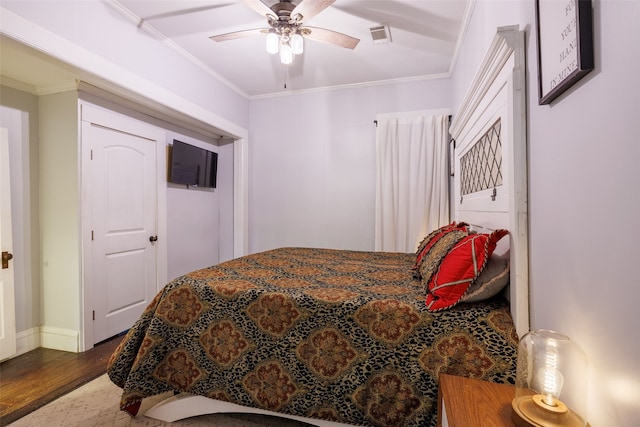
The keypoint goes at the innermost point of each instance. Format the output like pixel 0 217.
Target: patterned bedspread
pixel 337 335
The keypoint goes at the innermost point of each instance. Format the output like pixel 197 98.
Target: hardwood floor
pixel 34 379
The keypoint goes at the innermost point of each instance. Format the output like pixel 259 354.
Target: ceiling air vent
pixel 380 34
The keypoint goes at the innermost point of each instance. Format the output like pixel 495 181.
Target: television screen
pixel 191 165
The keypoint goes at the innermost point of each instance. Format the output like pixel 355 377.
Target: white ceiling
pixel 424 39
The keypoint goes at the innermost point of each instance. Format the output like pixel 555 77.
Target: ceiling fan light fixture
pixel 286 54
pixel 286 33
pixel 297 44
pixel 272 42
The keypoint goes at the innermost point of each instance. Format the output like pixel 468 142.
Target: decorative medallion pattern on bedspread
pixel 339 335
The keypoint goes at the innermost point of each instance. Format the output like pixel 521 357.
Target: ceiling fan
pixel 286 28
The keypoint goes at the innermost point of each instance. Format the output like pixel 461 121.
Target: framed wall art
pixel 565 45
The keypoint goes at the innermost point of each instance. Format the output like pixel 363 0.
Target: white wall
pixel 225 200
pixel 584 198
pixel 192 221
pixel 200 221
pixel 312 163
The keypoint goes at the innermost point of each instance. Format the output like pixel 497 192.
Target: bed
pixel 335 337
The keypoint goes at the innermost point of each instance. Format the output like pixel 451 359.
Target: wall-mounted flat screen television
pixel 191 165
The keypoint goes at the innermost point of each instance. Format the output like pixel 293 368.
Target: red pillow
pixel 459 268
pixel 432 238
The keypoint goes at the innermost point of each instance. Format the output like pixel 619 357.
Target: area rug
pixel 96 404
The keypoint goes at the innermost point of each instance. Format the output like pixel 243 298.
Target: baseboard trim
pixel 27 340
pixel 59 339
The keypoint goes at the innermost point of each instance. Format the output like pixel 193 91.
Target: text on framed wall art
pixel 565 45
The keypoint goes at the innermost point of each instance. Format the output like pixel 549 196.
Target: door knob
pixel 153 239
pixel 6 256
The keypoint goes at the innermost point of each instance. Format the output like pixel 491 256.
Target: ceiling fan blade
pixel 332 37
pixel 239 34
pixel 307 9
pixel 261 8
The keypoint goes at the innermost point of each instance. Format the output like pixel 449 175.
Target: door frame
pixel 103 117
pixel 7 298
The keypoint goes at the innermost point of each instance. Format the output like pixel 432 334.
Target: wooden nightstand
pixel 465 402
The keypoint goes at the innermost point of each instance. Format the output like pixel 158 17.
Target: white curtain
pixel 412 192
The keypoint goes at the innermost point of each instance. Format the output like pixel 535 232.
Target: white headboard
pixel 490 172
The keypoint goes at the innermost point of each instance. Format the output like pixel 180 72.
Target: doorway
pixel 122 230
pixel 7 299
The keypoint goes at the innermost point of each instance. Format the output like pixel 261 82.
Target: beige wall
pixel 59 190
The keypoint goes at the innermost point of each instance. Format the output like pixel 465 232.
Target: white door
pixel 7 301
pixel 124 223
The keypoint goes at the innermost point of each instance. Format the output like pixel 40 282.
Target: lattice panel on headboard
pixel 481 166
